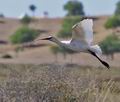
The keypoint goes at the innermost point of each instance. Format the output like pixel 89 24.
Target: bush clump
pixel 23 35
pixel 26 20
pixel 68 22
pixel 111 44
pixel 113 22
pixel 7 56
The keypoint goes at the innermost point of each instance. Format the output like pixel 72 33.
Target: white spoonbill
pixel 82 37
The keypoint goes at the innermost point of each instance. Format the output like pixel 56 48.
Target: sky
pixel 15 8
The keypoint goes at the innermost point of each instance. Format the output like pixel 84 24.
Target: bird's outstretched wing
pixel 83 31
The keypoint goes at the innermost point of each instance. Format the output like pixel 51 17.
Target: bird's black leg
pixel 103 62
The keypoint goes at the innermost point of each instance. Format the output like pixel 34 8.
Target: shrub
pixel 7 56
pixel 111 44
pixel 117 10
pixel 23 35
pixel 26 20
pixel 57 49
pixel 66 30
pixel 113 22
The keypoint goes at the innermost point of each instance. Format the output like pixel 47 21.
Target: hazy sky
pixel 14 8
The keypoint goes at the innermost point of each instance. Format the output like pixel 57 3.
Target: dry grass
pixel 58 83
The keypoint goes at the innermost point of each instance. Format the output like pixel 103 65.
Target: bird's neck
pixel 59 42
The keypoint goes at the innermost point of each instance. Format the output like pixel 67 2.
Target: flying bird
pixel 82 38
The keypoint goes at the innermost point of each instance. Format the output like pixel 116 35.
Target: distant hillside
pixel 7 27
pixel 51 25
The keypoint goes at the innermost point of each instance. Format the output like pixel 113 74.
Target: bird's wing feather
pixel 83 31
pixel 66 42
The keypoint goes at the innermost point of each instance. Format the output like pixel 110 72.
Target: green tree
pixel 23 34
pixel 56 49
pixel 110 45
pixel 26 20
pixel 18 49
pixel 117 11
pixel 2 15
pixel 68 22
pixel 113 22
pixel 74 7
pixel 32 7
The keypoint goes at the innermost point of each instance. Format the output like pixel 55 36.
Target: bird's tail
pixel 96 49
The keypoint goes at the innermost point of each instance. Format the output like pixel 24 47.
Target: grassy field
pixel 58 83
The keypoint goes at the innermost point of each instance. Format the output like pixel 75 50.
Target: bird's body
pixel 82 37
pixel 75 46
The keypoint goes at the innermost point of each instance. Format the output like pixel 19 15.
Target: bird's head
pixel 50 38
